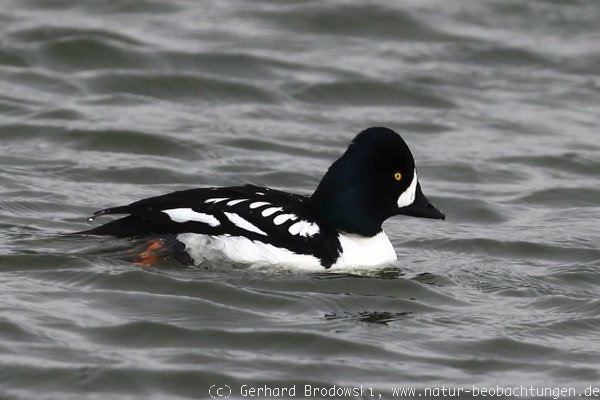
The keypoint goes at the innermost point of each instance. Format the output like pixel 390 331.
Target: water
pixel 106 102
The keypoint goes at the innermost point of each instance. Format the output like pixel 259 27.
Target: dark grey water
pixel 105 102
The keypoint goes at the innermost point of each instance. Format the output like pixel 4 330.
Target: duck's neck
pixel 346 207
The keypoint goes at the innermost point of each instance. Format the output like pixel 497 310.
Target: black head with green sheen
pixel 372 181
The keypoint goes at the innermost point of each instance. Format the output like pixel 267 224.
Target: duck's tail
pixel 129 226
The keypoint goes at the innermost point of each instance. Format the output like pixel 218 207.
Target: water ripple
pixel 106 102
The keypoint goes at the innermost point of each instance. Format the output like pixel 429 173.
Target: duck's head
pixel 372 181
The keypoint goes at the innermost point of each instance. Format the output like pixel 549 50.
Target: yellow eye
pixel 398 176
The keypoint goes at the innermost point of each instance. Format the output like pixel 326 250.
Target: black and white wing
pixel 260 214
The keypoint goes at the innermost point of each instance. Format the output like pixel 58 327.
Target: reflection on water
pixel 375 317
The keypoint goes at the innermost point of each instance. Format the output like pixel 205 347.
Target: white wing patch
pixel 304 228
pixel 242 223
pixel 270 211
pixel 300 228
pixel 187 214
pixel 408 196
pixel 234 202
pixel 216 200
pixel 257 204
pixel 280 219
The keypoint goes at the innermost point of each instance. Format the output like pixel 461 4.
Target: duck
pixel 338 226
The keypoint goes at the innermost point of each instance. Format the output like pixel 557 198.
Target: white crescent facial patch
pixel 408 196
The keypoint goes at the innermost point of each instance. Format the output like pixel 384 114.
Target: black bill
pixel 422 207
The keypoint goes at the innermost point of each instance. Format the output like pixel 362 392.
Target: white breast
pixel 361 251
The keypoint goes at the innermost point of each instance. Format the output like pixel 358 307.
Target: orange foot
pixel 148 257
